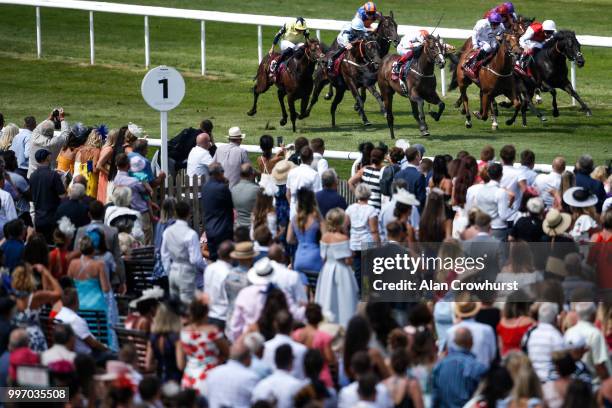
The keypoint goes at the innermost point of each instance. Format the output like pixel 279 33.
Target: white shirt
pixel 299 350
pixel 280 386
pixel 483 35
pixel 7 209
pixel 410 41
pixel 319 163
pixel 509 181
pixel 545 183
pixel 484 345
pixel 470 196
pixel 230 385
pixel 79 327
pixel 289 281
pixel 359 216
pixel 180 244
pixel 527 175
pixel 302 176
pixel 598 349
pixel 197 161
pixel 349 396
pixel 56 353
pixel 214 287
pixel 544 339
pixel 493 200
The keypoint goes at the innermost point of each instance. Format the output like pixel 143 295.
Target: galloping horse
pixel 549 69
pixel 294 80
pixel 385 35
pixel 421 82
pixel 358 68
pixel 494 78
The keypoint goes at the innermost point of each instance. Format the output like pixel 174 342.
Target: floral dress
pixel 28 320
pixel 202 355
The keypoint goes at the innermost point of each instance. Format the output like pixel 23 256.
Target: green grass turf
pixel 110 91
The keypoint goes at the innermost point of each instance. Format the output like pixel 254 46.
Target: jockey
pixel 506 10
pixel 368 14
pixel 484 40
pixel 406 48
pixel 350 32
pixel 534 38
pixel 511 11
pixel 294 34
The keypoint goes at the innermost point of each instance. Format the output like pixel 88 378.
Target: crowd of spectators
pixel 262 300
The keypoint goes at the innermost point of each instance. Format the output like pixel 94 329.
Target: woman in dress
pixel 405 391
pixel 161 349
pixel 106 162
pixel 370 175
pixel 201 348
pixel 279 175
pixel 264 213
pixel 467 174
pixel 435 226
pixel 67 154
pixel 515 322
pixel 29 300
pixel 267 160
pixel 86 160
pixel 305 229
pixel 337 287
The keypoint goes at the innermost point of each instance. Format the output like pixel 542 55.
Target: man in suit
pixel 111 236
pixel 583 171
pixel 413 177
pixel 218 209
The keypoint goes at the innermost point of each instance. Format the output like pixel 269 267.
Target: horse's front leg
pixel 485 104
pixel 362 92
pixel 466 107
pixel 572 92
pixel 281 100
pixel 353 88
pixel 420 102
pixel 555 112
pixel 435 100
pixel 292 112
pixel 387 96
pixel 319 83
pixel 379 99
pixel 304 103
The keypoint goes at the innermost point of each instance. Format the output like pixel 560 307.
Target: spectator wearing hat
pixel 231 156
pixel 244 194
pixel 596 358
pixel 199 157
pixel 280 172
pixel 328 197
pixel 303 176
pixel 244 254
pixel 549 184
pixel 47 191
pixel 583 170
pixel 21 145
pixel 529 228
pixel 484 345
pixel 582 205
pixel 73 208
pixel 543 339
pixel 415 181
pixel 181 256
pixel 43 138
pixel 146 307
pixel 218 209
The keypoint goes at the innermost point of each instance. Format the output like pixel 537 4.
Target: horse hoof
pixel 477 115
pixel 327 97
pixel 283 121
pixel 494 126
pixel 589 113
pixel 538 100
pixel 509 122
pixel 556 113
pixel 543 119
pixel 367 123
pixel 468 124
pixel 303 116
pixel 425 132
pixel 435 116
pixel 252 112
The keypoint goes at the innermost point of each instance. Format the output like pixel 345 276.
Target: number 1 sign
pixel 163 89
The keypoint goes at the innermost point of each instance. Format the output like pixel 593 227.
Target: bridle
pixel 564 53
pixel 363 54
pixel 381 34
pixel 308 52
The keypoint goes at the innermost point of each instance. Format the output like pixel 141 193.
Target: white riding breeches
pixel 284 44
pixel 530 44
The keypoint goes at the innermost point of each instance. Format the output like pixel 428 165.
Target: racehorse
pixel 293 80
pixel 549 70
pixel 420 80
pixel 357 68
pixel 385 35
pixel 494 78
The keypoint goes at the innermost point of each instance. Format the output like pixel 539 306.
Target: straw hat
pixel 465 310
pixel 556 222
pixel 535 205
pixel 153 293
pixel 243 250
pixel 261 273
pixel 404 197
pixel 281 171
pixel 579 197
pixel 235 133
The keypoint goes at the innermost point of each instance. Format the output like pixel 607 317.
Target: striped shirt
pixel 371 177
pixel 541 342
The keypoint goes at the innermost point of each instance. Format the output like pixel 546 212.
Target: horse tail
pixel 453 67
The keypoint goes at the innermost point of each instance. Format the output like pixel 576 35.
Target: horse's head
pixel 568 45
pixel 313 50
pixel 387 29
pixel 434 50
pixel 511 41
pixel 367 51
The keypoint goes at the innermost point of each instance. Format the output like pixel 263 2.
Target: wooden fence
pixel 183 188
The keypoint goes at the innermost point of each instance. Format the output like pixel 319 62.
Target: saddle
pixel 336 67
pixel 279 68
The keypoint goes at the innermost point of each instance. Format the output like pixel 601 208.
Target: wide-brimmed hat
pixel 465 310
pixel 535 205
pixel 405 197
pixel 261 273
pixel 153 293
pixel 235 133
pixel 244 250
pixel 281 170
pixel 579 197
pixel 556 223
pixel 114 370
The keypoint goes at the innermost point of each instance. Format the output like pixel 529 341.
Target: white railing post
pixel 92 51
pixel 574 80
pixel 319 35
pixel 443 81
pixel 203 46
pixel 146 35
pixel 259 43
pixel 38 34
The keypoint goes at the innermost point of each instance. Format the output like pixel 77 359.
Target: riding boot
pixel 396 69
pixel 288 52
pixel 521 64
pixel 332 59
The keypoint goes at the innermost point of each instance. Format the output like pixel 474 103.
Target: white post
pixel 146 29
pixel 92 52
pixel 259 43
pixel 319 35
pixel 203 46
pixel 163 123
pixel 38 34
pixel 443 81
pixel 574 80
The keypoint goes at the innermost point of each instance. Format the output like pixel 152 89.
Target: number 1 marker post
pixel 163 89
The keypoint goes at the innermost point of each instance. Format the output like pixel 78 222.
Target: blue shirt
pixel 13 253
pixel 21 147
pixel 328 199
pixel 455 379
pixel 416 183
